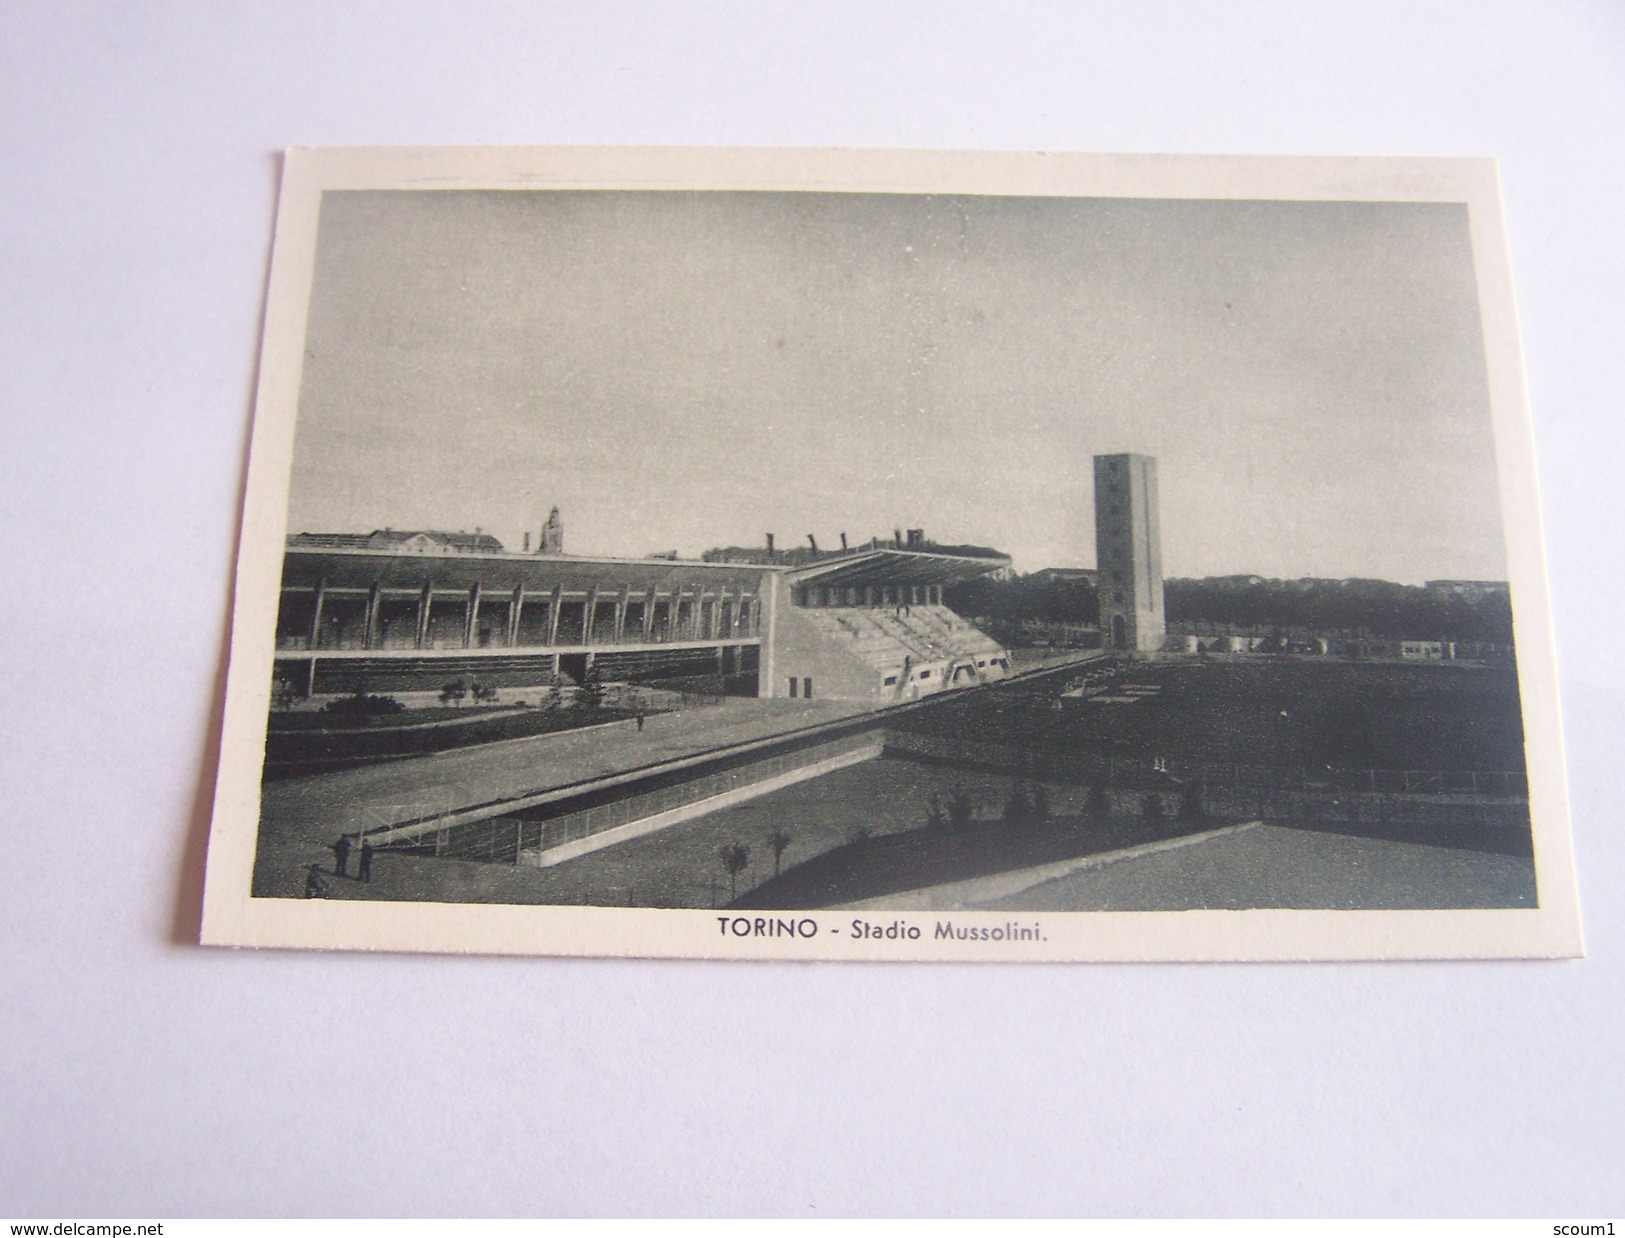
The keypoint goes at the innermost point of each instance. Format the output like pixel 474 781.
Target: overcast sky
pixel 683 370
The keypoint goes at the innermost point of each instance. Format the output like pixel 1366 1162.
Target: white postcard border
pixel 232 917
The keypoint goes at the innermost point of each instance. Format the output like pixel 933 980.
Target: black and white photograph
pixel 811 612
pixel 1005 559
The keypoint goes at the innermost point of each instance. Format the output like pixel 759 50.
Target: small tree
pixel 590 695
pixel 484 693
pixel 1190 804
pixel 1151 810
pixel 453 692
pixel 735 860
pixel 933 814
pixel 1017 811
pixel 1100 799
pixel 779 841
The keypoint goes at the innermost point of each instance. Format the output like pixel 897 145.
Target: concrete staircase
pixel 923 635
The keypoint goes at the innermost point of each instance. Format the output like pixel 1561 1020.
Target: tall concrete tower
pixel 1128 552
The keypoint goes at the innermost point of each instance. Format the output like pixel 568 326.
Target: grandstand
pixel 924 650
pixel 394 612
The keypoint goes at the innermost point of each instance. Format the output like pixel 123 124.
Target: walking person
pixel 341 856
pixel 364 871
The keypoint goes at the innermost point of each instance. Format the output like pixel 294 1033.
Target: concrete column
pixel 515 609
pixel 649 617
pixel 586 620
pixel 316 616
pixel 471 620
pixel 553 621
pixel 369 632
pixel 425 604
pixel 620 614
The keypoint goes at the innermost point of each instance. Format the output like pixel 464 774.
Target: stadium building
pixel 399 611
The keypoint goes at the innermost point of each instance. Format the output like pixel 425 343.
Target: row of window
pixel 891 680
pixel 819 596
pixel 402 622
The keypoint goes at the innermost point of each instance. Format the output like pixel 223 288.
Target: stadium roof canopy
pixel 361 569
pixel 895 567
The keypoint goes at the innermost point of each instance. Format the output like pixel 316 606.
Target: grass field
pixel 859 832
pixel 1281 712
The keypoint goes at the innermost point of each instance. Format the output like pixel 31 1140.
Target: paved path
pixel 301 817
pixel 989 890
pixel 1276 866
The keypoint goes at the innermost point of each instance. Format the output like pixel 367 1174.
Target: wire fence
pixel 524 838
pixel 1354 798
pixel 1103 768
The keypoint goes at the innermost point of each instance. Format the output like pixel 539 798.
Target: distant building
pixel 552 542
pixel 803 556
pixel 1128 552
pixel 402 541
pixel 1083 577
pixel 1472 590
pixel 1428 650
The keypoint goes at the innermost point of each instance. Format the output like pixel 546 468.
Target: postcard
pixel 891 555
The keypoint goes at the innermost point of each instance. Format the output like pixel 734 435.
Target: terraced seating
pixel 884 637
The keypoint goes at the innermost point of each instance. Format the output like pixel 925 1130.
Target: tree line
pixel 1378 608
pixel 1373 607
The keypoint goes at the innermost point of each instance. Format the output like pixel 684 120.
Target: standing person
pixel 341 855
pixel 364 871
pixel 640 720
